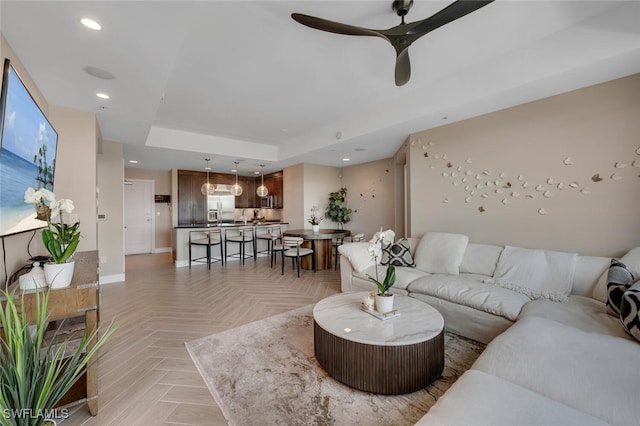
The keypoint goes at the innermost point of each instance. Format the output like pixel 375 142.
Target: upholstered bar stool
pixel 293 250
pixel 242 236
pixel 272 234
pixel 209 238
pixel 339 241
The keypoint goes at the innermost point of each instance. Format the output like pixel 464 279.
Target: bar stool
pixel 339 241
pixel 271 236
pixel 208 239
pixel 245 235
pixel 293 250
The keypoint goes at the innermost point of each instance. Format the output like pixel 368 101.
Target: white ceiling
pixel 240 80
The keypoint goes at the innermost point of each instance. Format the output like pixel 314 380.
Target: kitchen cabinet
pixel 274 184
pixel 191 202
pixel 249 198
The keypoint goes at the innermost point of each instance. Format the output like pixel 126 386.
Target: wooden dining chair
pixel 292 249
pixel 339 241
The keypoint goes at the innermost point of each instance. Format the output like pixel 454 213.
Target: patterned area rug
pixel 265 373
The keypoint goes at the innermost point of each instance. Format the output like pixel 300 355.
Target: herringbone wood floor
pixel 146 376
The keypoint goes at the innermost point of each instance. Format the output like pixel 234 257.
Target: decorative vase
pixel 315 228
pixel 384 303
pixel 59 275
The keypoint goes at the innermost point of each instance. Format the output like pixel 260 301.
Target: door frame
pixel 152 207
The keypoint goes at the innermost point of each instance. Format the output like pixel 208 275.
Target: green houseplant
pixel 336 209
pixel 34 376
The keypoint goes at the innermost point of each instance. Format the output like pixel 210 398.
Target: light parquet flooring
pixel 146 376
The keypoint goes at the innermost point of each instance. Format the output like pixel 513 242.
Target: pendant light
pixel 262 190
pixel 236 189
pixel 207 188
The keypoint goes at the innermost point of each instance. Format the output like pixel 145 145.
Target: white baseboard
pixel 109 279
pixel 162 250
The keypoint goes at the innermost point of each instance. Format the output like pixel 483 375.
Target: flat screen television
pixel 28 144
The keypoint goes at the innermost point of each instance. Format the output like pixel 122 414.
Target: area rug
pixel 266 373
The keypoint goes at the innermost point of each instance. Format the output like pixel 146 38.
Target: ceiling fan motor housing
pixel 402 7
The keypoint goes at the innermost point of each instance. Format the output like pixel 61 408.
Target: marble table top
pixel 342 316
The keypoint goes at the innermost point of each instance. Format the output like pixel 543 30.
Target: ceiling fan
pixel 401 36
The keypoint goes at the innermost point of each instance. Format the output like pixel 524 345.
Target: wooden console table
pixel 80 299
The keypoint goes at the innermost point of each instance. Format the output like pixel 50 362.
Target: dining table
pixel 321 244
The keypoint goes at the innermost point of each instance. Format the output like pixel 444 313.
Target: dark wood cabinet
pixel 191 203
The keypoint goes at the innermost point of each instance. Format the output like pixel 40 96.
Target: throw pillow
pixel 536 273
pixel 440 253
pixel 398 254
pixel 631 260
pixel 630 309
pixel 619 280
pixel 358 255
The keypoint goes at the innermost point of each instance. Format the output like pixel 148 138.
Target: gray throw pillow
pixel 398 254
pixel 619 280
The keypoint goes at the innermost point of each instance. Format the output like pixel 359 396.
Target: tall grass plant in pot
pixel 34 376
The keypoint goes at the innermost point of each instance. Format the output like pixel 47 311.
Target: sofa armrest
pixel 346 275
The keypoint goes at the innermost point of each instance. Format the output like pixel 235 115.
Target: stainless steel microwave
pixel 267 202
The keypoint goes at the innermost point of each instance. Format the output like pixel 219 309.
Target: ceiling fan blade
pixel 455 10
pixel 334 27
pixel 403 68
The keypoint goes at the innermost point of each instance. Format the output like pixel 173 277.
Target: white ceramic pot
pixel 59 275
pixel 315 228
pixel 384 304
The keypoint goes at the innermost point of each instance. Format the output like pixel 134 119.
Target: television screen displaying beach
pixel 27 158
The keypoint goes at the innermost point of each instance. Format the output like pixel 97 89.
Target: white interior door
pixel 138 215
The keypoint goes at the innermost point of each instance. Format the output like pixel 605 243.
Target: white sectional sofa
pixel 554 354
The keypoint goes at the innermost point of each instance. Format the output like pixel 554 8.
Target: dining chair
pixel 241 236
pixel 209 238
pixel 292 248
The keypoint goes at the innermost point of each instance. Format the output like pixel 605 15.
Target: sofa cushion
pixel 581 312
pixel 630 310
pixel 481 399
pixel 440 253
pixel 398 254
pixel 469 290
pixel 358 255
pixel 539 274
pixel 480 259
pixel 587 371
pixel 619 279
pixel 404 276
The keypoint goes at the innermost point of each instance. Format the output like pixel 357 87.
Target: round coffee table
pixel 398 355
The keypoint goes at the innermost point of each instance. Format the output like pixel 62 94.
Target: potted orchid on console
pixel 315 219
pixel 384 299
pixel 60 239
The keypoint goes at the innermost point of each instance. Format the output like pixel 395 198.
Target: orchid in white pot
pixel 384 299
pixel 60 240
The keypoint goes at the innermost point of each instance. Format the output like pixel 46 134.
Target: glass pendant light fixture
pixel 262 190
pixel 236 189
pixel 207 188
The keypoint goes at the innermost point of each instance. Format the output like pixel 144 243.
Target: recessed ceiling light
pixel 207 168
pixel 346 159
pixel 133 161
pixel 233 170
pixel 91 24
pixel 102 95
pixel 256 173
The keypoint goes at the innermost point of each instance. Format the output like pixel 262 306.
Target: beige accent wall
pixel 319 181
pixel 520 166
pixel 370 194
pixel 111 205
pixel 163 211
pixel 293 196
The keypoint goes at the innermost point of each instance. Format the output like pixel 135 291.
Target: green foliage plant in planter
pixel 336 209
pixel 34 376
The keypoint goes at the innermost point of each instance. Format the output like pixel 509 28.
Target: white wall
pixel 319 181
pixel 568 139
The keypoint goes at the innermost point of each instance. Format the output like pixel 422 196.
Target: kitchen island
pixel 181 238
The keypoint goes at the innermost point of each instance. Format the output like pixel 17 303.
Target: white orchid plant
pixel 315 218
pixel 380 240
pixel 60 240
